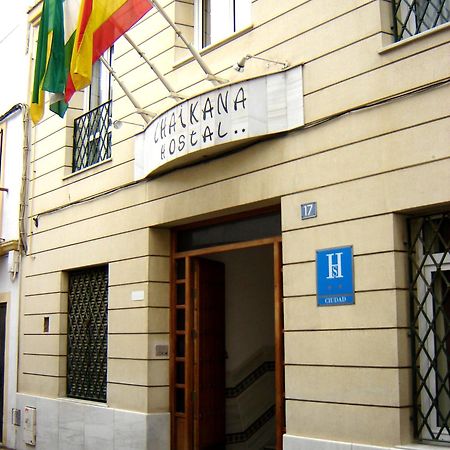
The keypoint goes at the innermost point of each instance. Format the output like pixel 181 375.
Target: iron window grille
pixel 429 255
pixel 87 334
pixel 92 137
pixel 412 17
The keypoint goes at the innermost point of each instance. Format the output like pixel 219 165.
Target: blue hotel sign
pixel 335 280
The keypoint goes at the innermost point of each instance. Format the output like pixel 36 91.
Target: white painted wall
pixel 249 303
pixel 12 176
pixel 13 45
pixel 14 82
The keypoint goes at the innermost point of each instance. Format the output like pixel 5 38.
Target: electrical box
pixel 15 417
pixel 29 425
pixel 13 262
pixel 161 350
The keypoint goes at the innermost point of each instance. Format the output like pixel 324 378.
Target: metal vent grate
pixel 87 334
pixel 412 17
pixel 429 255
pixel 92 137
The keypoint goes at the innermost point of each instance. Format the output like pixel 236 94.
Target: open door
pixel 209 354
pixel 209 390
pixel 198 358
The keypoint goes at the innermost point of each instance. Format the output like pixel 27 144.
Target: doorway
pixel 227 382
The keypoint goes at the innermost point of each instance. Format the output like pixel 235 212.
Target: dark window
pixel 87 334
pixel 412 17
pixel 250 228
pixel 429 255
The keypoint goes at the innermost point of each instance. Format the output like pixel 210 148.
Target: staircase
pixel 250 404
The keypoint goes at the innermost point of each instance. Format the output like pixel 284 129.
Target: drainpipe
pixel 22 247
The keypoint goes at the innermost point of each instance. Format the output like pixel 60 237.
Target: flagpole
pixel 161 77
pixel 144 114
pixel 209 75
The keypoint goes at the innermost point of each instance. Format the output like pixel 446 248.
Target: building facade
pixel 14 152
pixel 251 258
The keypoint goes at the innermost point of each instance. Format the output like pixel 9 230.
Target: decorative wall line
pixel 261 370
pixel 235 438
pixel 241 387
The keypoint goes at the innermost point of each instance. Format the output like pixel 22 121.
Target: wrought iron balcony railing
pixel 92 137
pixel 412 17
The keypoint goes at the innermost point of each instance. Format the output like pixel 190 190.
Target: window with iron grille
pixel 92 137
pixel 429 255
pixel 87 334
pixel 412 17
pixel 92 131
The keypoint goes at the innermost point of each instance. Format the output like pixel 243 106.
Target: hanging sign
pixel 335 280
pixel 220 120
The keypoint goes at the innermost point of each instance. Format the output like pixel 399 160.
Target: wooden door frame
pixel 275 243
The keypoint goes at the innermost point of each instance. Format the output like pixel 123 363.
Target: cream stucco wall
pixel 366 167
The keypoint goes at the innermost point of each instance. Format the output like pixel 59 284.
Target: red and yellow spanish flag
pixel 100 24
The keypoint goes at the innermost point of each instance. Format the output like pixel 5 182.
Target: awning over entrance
pixel 220 120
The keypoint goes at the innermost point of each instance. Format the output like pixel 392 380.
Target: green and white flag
pixel 71 12
pixel 54 52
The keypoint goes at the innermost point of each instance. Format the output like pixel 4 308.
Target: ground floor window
pixel 429 254
pixel 87 334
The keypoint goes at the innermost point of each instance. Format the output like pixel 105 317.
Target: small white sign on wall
pixel 137 296
pixel 212 122
pixel 29 425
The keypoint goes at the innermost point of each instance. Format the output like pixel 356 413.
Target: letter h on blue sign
pixel 335 280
